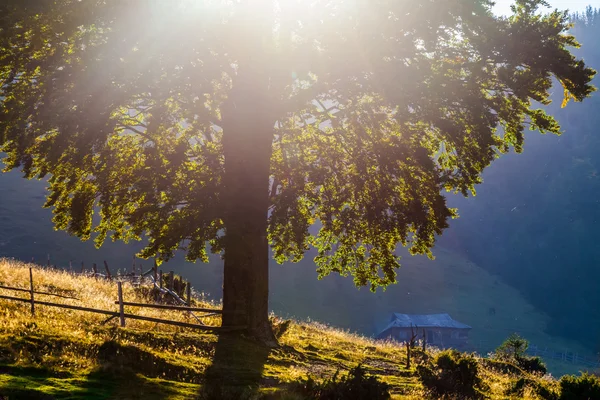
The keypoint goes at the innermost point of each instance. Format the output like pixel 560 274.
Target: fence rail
pixel 567 356
pixel 169 307
pixel 36 292
pixel 121 303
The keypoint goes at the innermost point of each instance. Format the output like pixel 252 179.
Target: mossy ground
pixel 62 354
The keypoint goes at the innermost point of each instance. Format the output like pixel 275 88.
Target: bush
pixel 179 284
pixel 356 385
pixel 518 388
pixel 451 373
pixel 513 347
pixel 500 366
pixel 584 387
pixel 532 364
pixel 513 350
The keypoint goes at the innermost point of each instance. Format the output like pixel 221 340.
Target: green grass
pixel 40 383
pixel 63 354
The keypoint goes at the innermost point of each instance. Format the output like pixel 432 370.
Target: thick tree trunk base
pixel 264 335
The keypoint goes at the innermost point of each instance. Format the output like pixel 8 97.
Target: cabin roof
pixel 424 321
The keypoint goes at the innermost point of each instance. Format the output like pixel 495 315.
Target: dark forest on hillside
pixel 534 221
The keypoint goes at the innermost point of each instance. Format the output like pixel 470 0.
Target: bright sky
pixel 503 6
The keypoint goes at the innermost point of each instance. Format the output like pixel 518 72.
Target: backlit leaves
pixel 380 107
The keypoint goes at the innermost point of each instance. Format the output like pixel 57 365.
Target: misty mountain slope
pixel 449 284
pixel 534 221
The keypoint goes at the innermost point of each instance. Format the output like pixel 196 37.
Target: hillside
pixel 534 219
pixel 71 354
pixel 451 283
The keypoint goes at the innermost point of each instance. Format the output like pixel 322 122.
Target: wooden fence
pixel 136 277
pixel 122 303
pixel 565 355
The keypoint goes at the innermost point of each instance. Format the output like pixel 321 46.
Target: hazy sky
pixel 503 6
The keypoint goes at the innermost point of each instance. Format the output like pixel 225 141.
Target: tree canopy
pixel 547 217
pixel 376 108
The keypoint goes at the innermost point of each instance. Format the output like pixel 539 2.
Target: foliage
pixel 356 385
pixel 179 284
pixel 538 387
pixel 132 119
pixel 543 212
pixel 579 387
pixel 451 373
pixel 513 350
pixel 280 327
pixel 532 364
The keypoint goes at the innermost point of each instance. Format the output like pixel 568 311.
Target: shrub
pixel 280 327
pixel 513 347
pixel 500 366
pixel 513 350
pixel 518 388
pixel 356 385
pixel 532 364
pixel 179 284
pixel 451 373
pixel 584 387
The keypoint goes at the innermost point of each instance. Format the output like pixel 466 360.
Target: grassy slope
pixel 69 354
pixel 449 284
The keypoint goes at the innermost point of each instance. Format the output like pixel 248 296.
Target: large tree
pixel 226 126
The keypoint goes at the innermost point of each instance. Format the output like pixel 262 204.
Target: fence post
pixel 161 279
pixel 31 291
pixel 171 280
pixel 95 270
pixel 189 294
pixel 133 266
pixel 48 261
pixel 82 267
pixel 71 266
pixel 121 311
pixel 155 277
pixel 108 274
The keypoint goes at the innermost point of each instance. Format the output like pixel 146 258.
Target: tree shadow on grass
pixel 35 383
pixel 20 382
pixel 129 385
pixel 237 369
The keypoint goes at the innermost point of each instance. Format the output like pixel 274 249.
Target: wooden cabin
pixel 440 330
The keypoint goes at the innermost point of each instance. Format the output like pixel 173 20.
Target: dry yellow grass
pixel 309 349
pixel 72 354
pixel 90 292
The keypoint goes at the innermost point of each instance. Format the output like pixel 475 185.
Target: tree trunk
pixel 247 143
